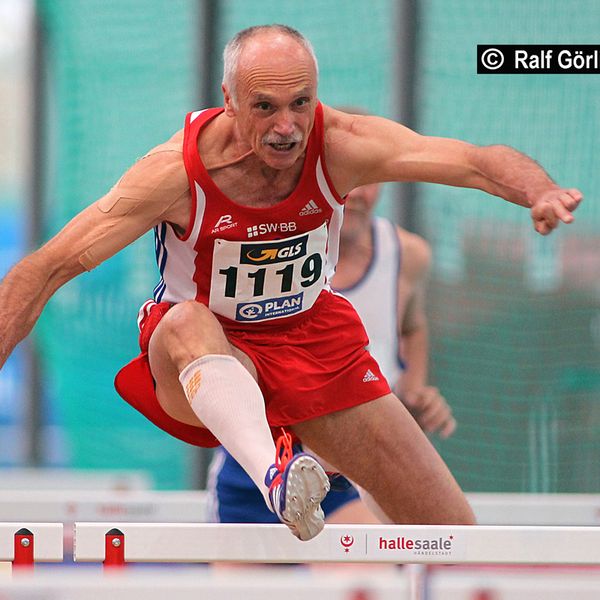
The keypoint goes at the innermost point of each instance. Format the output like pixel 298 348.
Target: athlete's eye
pixel 302 101
pixel 263 105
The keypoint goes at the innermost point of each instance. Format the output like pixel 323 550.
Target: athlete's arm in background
pixel 365 149
pixel 155 189
pixel 425 403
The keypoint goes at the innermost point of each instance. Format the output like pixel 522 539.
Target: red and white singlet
pixel 252 265
pixel 264 272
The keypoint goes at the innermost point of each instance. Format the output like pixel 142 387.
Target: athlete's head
pixel 270 88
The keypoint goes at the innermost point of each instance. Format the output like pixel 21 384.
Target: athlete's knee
pixel 190 330
pixel 189 313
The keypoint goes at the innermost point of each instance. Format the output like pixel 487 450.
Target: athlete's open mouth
pixel 283 147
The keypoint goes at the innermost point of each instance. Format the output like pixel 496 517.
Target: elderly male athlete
pixel 382 270
pixel 247 202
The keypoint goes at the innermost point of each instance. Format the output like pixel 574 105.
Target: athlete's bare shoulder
pixel 340 129
pixel 158 179
pixel 350 141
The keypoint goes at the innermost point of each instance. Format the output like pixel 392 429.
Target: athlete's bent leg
pixel 380 446
pixel 187 332
pixel 201 379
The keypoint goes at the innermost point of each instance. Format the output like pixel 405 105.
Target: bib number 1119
pixel 310 272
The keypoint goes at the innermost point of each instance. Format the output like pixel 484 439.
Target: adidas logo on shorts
pixel 370 376
pixel 310 208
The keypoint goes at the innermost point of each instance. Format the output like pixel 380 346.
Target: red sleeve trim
pixel 189 138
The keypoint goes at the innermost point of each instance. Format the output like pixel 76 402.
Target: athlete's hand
pixel 430 410
pixel 554 206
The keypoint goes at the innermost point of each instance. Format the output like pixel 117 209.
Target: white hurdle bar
pixel 24 543
pixel 425 544
pixel 73 479
pixel 202 584
pixel 535 509
pixel 68 506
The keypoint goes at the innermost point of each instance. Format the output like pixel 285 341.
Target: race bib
pixel 256 281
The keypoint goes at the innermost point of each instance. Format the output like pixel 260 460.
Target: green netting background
pixel 515 317
pixel 121 76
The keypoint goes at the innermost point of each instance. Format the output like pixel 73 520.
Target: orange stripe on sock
pixel 191 387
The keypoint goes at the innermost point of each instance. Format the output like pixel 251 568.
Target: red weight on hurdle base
pixel 23 558
pixel 114 549
pixel 359 594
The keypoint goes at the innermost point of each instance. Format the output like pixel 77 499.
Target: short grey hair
pixel 233 49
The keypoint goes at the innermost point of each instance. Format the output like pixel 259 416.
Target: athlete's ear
pixel 228 101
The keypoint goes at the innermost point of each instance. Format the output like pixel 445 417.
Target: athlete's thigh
pixel 380 446
pixel 169 392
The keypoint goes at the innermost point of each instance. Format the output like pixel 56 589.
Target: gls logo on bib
pixel 273 252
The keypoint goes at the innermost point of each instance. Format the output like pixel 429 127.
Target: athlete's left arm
pixel 366 149
pixel 425 402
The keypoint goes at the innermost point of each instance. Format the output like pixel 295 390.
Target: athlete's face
pixel 360 203
pixel 275 98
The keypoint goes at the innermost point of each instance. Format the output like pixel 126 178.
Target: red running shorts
pixel 315 367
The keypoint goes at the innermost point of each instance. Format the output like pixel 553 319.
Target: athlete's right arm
pixel 155 189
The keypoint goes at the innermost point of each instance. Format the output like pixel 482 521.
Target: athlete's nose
pixel 284 123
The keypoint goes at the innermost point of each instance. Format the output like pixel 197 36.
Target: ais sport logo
pixel 268 253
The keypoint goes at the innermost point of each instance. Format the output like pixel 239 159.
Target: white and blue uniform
pixel 234 498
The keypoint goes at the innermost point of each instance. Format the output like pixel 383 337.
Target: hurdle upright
pixel 23 544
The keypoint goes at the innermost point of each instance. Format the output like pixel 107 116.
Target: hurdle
pixel 133 505
pixel 68 506
pixel 398 544
pixel 535 509
pixel 258 584
pixel 193 584
pixel 23 544
pixel 73 479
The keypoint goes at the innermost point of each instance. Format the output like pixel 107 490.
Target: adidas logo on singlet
pixel 370 376
pixel 310 208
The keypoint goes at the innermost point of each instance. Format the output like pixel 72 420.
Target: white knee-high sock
pixel 229 402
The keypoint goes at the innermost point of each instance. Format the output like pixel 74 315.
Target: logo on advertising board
pixel 270 308
pixel 415 546
pixel 347 541
pixel 269 253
